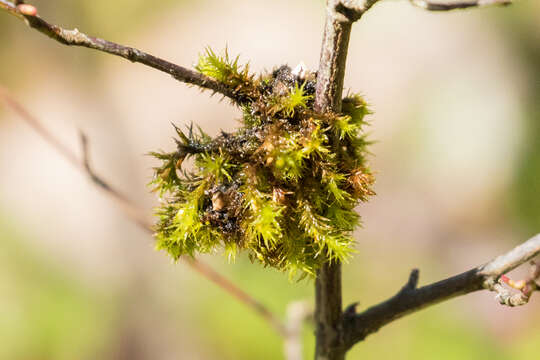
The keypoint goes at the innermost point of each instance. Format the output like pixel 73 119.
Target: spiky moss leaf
pixel 229 72
pixel 330 242
pixel 338 247
pixel 286 156
pixel 165 178
pixel 289 164
pixel 344 127
pixel 316 142
pixel 334 185
pixel 214 166
pixel 230 251
pixel 283 187
pixel 361 181
pixel 262 221
pixel 222 68
pixel 183 231
pixel 296 99
pixel 343 218
pixel 356 107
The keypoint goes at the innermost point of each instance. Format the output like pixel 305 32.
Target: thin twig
pixel 454 5
pixel 411 299
pixel 77 38
pixel 134 213
pixel 121 200
pixel 129 208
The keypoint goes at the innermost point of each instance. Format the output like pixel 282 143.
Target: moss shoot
pixel 282 187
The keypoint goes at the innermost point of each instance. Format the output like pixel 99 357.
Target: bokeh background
pixel 456 98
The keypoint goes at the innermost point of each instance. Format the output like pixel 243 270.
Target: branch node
pixel 353 10
pixel 351 14
pixel 525 287
pixel 86 163
pixel 412 283
pixel 505 297
pixel 84 147
pixel 413 278
pixel 350 310
pixel 26 9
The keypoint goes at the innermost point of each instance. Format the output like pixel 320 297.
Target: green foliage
pixel 227 71
pixel 295 99
pixel 283 187
pixel 222 68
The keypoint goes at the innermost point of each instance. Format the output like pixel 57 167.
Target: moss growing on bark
pixel 282 187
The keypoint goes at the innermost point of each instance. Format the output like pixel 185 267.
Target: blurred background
pixel 456 101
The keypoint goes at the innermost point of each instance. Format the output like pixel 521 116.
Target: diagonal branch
pixel 28 13
pixel 460 4
pixel 135 214
pixel 411 299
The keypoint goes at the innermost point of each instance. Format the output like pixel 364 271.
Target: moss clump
pixel 283 187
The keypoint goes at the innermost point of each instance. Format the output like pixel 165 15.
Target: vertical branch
pixel 328 305
pixel 340 15
pixel 332 64
pixel 328 313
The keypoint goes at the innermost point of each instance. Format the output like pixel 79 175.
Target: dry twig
pixel 28 13
pixel 411 298
pixel 460 4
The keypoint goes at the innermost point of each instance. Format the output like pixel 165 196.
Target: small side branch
pixel 28 13
pixel 135 214
pixel 357 326
pixel 454 5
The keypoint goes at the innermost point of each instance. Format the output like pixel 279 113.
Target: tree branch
pixel 411 299
pixel 336 332
pixel 28 13
pixel 135 214
pixel 340 15
pixel 461 4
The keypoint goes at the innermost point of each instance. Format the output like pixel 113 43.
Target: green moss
pixel 283 187
pixel 222 68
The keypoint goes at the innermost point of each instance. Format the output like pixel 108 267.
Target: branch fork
pixel 525 287
pixel 410 298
